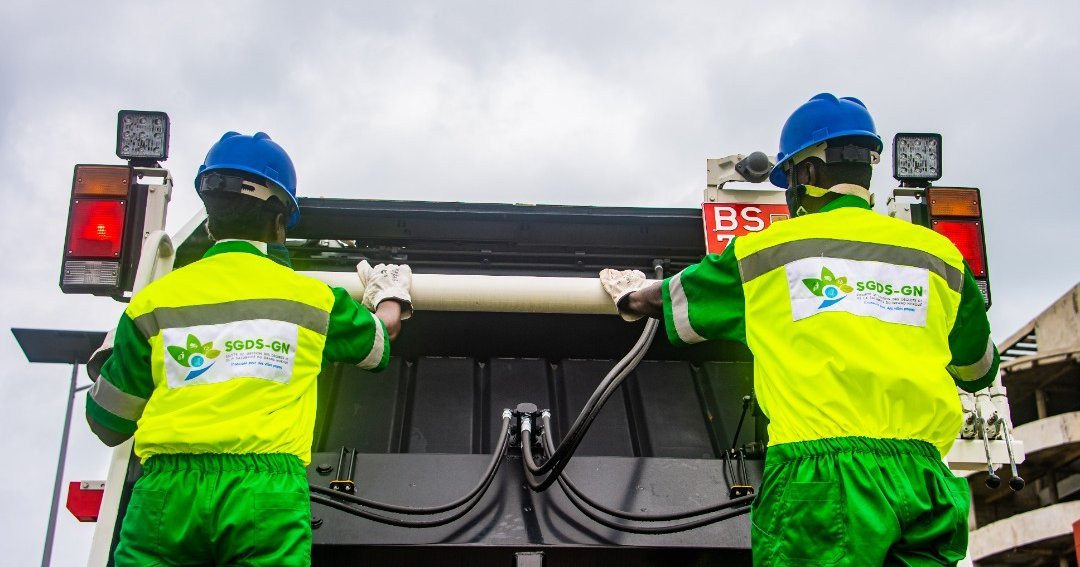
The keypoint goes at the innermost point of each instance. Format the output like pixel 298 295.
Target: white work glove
pixel 97 360
pixel 620 283
pixel 386 281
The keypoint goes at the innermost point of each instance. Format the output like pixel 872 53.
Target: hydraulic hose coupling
pixel 525 413
pixel 527 409
pixel 526 424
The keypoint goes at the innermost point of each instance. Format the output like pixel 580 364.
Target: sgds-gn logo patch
pixel 831 288
pixel 196 355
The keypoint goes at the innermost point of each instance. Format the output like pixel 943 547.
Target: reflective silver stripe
pixel 680 311
pixel 763 261
pixel 977 369
pixel 116 402
pixel 107 436
pixel 286 310
pixel 374 357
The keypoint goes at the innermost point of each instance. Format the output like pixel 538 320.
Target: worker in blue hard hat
pixel 827 131
pixel 213 370
pixel 861 326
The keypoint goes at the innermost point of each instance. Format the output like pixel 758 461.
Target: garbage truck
pixel 520 422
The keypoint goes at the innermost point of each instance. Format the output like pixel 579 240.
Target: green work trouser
pixel 218 510
pixel 861 502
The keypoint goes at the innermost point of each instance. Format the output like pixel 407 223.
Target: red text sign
pixel 724 221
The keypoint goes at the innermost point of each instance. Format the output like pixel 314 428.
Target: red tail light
pixel 97 228
pixel 967 236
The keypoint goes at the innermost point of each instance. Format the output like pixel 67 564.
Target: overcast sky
pixel 599 103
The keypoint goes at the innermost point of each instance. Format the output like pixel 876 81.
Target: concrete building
pixel 1040 370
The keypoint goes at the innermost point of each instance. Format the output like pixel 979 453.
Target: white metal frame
pixel 719 172
pixel 155 261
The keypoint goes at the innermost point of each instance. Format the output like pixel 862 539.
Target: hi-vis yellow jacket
pixel 859 324
pixel 221 356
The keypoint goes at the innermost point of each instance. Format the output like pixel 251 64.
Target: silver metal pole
pixel 46 557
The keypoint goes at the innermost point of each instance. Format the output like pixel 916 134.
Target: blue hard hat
pixel 258 155
pixel 822 118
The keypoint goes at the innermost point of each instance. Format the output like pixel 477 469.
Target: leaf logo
pixel 195 356
pixel 831 288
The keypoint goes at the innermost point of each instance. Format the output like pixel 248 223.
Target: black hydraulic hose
pixel 648 529
pixel 396 521
pixel 746 401
pixel 569 484
pixel 608 387
pixel 471 499
pixel 584 507
pixel 488 472
pixel 526 450
pixel 601 393
pixel 534 484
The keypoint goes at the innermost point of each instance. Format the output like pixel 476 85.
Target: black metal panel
pixel 494 238
pixel 454 405
pixel 326 388
pixel 365 409
pixel 443 402
pixel 510 518
pixel 534 335
pixel 722 386
pixel 486 238
pixel 670 422
pixel 610 433
pixel 515 381
pixel 568 556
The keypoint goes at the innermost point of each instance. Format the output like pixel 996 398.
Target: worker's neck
pixel 261 246
pixel 854 190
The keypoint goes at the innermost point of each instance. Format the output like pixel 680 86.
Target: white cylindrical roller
pixel 519 294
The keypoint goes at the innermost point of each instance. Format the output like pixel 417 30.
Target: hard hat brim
pixel 294 215
pixel 779 177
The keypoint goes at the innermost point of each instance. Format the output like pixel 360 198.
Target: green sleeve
pixel 975 358
pixel 705 301
pixel 355 335
pixel 121 390
pixel 99 418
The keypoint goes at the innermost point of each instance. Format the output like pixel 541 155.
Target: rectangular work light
pixel 917 158
pixel 142 135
